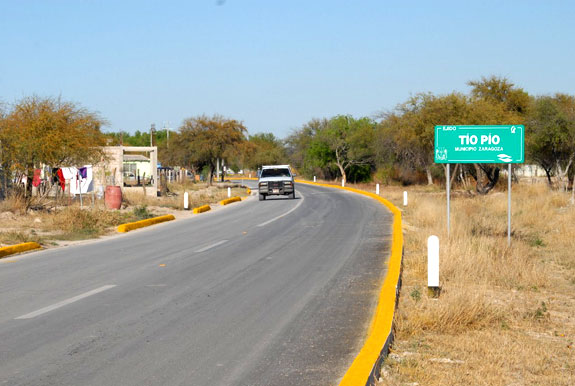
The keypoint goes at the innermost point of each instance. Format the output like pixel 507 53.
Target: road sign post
pixel 448 189
pixel 480 144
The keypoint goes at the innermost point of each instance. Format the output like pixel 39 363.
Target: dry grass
pixel 505 315
pixel 13 204
pixel 199 194
pixel 70 222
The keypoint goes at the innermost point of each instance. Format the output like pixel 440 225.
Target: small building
pixel 130 167
pixel 137 170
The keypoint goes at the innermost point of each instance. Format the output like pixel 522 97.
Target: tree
pixel 4 162
pixel 350 141
pixel 495 101
pixel 48 131
pixel 301 148
pixel 339 145
pixel 500 90
pixel 203 140
pixel 408 131
pixel 263 149
pixel 412 124
pixel 551 135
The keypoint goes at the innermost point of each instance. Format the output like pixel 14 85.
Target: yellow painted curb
pixel 201 209
pixel 144 223
pixel 12 249
pixel 380 331
pixel 230 200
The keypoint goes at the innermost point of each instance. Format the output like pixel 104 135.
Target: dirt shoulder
pixel 505 314
pixel 61 225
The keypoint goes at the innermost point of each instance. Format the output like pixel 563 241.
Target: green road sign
pixel 480 144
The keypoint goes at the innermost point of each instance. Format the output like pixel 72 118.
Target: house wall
pixel 110 171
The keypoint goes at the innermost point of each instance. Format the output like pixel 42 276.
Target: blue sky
pixel 274 64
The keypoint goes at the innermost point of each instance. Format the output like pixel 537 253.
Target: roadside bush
pixel 76 223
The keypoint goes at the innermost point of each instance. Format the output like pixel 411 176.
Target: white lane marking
pixel 65 302
pixel 211 246
pixel 285 214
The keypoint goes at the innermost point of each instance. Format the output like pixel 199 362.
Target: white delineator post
pixel 377 189
pixel 314 180
pixel 186 201
pixel 229 192
pixel 433 266
pixel 404 198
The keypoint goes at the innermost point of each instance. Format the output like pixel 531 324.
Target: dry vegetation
pixel 64 221
pixel 506 316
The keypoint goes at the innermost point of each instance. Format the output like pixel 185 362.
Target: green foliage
pixel 405 136
pixel 263 149
pixel 49 131
pixel 501 91
pixel 416 294
pixel 407 133
pixel 550 133
pixel 202 140
pixel 46 131
pixel 338 146
pixel 541 313
pixel 141 212
pixel 297 148
pixel 139 138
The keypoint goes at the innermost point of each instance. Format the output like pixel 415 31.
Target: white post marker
pixel 377 189
pixel 314 180
pixel 229 192
pixel 404 198
pixel 433 265
pixel 186 201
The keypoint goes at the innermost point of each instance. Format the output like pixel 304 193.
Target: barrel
pixel 113 197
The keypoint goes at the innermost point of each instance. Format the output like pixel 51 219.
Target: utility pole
pixel 152 131
pixel 168 135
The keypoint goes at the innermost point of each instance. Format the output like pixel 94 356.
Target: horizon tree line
pixel 393 147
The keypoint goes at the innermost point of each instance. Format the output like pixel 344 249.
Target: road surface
pixel 279 292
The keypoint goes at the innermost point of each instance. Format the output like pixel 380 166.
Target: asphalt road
pixel 279 292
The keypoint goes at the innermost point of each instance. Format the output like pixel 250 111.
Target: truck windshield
pixel 275 172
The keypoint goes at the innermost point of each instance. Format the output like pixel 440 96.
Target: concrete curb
pixel 201 209
pixel 144 223
pixel 12 249
pixel 366 367
pixel 230 200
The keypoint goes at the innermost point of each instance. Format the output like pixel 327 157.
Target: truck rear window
pixel 275 173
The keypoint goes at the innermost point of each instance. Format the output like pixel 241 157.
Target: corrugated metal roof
pixel 135 157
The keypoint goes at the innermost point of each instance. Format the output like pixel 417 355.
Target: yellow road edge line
pixel 230 200
pixel 380 330
pixel 144 223
pixel 17 248
pixel 201 209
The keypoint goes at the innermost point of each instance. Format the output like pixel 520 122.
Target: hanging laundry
pixel 37 179
pixel 61 179
pixel 81 182
pixel 69 173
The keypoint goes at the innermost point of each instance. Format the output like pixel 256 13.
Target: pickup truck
pixel 276 180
